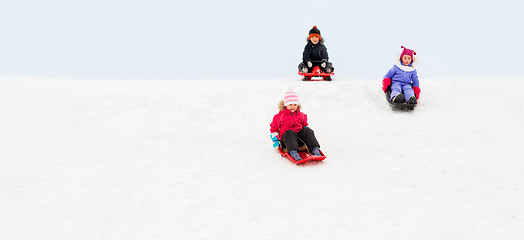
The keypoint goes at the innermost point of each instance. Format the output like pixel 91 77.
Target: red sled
pixel 304 154
pixel 316 73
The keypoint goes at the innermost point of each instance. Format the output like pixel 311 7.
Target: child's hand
pixel 324 63
pixel 416 90
pixel 386 83
pixel 309 64
pixel 276 144
pixel 274 138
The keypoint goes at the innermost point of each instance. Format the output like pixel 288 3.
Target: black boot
pixel 398 99
pixel 329 68
pixel 412 100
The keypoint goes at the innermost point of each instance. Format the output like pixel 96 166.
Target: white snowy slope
pixel 160 159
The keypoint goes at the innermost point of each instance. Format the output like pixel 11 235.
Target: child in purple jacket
pixel 402 79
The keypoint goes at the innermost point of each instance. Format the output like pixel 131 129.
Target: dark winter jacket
pixel 286 120
pixel 315 52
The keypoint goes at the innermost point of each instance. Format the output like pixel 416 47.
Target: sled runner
pixel 304 154
pixel 399 106
pixel 316 72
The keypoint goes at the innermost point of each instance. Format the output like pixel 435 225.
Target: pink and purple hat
pixel 407 52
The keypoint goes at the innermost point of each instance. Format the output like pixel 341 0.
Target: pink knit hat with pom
pixel 407 52
pixel 290 98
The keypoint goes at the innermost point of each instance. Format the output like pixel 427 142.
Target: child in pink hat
pixel 290 128
pixel 402 78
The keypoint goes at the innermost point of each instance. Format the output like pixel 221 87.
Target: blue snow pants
pixel 400 87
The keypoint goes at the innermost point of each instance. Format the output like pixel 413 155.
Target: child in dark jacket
pixel 403 78
pixel 289 128
pixel 315 53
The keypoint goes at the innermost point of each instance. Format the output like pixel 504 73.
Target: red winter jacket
pixel 286 120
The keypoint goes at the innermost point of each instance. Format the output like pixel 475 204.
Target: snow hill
pixel 180 159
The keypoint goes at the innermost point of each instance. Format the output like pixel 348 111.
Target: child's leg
pixel 408 91
pixel 329 68
pixel 396 89
pixel 289 140
pixel 303 68
pixel 316 64
pixel 308 136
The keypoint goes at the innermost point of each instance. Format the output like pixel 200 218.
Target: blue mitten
pixel 274 138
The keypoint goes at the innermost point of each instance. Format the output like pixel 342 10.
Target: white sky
pixel 256 39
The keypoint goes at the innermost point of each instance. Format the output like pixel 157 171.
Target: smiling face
pixel 406 59
pixel 314 39
pixel 292 107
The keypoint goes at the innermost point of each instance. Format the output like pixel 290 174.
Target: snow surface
pixel 180 159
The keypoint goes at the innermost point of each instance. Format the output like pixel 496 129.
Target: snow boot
pixel 294 154
pixel 412 100
pixel 398 99
pixel 316 152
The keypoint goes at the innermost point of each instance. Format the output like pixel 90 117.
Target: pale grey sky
pixel 256 39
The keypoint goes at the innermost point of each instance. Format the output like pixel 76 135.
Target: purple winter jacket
pixel 405 74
